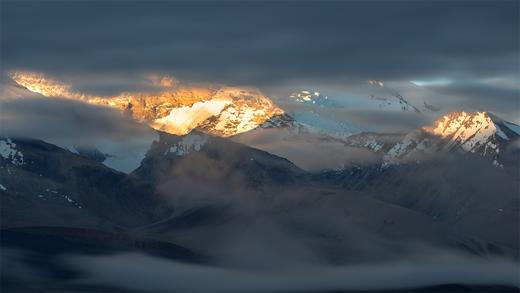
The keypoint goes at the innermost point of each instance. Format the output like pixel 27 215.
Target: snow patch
pixel 409 149
pixel 123 153
pixel 126 157
pixel 401 148
pixel 367 141
pixel 71 148
pixel 3 188
pixel 249 109
pixel 319 122
pixel 188 144
pixel 233 120
pixel 182 120
pixel 373 144
pixel 513 127
pixel 9 152
pixel 64 196
pixel 501 133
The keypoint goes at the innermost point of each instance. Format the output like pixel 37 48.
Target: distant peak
pixel 41 84
pixel 312 97
pixel 476 132
pixel 461 123
pixel 378 83
pixel 453 121
pixel 306 95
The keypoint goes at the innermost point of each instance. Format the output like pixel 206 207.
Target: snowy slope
pixel 9 152
pixel 312 97
pixel 398 97
pixel 183 119
pixel 321 110
pixel 310 109
pixel 247 109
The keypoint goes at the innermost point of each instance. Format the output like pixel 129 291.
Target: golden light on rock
pixel 38 83
pixel 223 111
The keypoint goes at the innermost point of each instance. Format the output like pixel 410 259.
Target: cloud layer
pixel 267 44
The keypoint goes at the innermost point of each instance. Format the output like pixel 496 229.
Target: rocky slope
pixel 189 187
pixel 467 194
pixel 214 160
pixel 198 197
pixel 373 95
pixel 42 184
pixel 387 97
pixel 232 185
pixel 461 170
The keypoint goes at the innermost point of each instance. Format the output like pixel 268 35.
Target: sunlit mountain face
pixel 223 111
pixel 227 111
pixel 259 146
pixel 250 117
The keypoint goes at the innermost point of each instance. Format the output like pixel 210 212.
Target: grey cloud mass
pixel 267 43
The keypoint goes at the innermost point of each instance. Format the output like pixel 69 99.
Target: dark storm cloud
pixel 481 97
pixel 264 42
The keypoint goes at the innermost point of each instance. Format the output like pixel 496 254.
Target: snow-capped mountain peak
pixel 389 96
pixel 471 131
pixel 480 133
pixel 245 110
pixel 304 95
pixel 223 111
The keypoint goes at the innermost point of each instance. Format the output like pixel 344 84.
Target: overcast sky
pixel 466 52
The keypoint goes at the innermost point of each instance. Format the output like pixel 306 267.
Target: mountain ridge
pixel 480 133
pixel 222 111
pixel 234 111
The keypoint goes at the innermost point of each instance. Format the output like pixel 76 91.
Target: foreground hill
pixel 201 198
pixel 207 182
pixel 45 185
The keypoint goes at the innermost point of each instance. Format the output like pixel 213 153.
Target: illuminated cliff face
pixel 38 83
pixel 469 130
pixel 178 110
pixel 480 133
